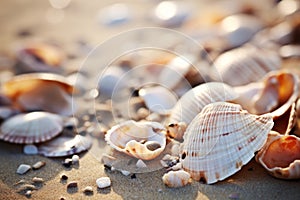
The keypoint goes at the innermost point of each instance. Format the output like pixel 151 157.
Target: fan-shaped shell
pixel 221 139
pixel 280 156
pixel 30 128
pixel 246 64
pixel 143 140
pixel 176 179
pixel 192 102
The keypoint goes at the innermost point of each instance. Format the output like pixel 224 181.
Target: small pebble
pixel 25 187
pixel 88 190
pixel 72 184
pixel 23 168
pixel 75 159
pixel 38 165
pixel 140 164
pixel 67 162
pixel 28 193
pixel 30 149
pixel 125 173
pixel 64 177
pixel 20 182
pixel 103 182
pixel 37 180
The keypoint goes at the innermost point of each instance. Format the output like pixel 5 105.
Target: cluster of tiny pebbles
pixel 68 162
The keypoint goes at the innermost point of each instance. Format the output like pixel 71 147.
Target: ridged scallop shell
pixel 30 128
pixel 221 139
pixel 65 146
pixel 280 156
pixel 244 65
pixel 192 102
pixel 175 179
pixel 143 140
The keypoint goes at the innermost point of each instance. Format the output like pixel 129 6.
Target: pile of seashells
pixel 244 103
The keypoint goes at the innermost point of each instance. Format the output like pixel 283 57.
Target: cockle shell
pixel 280 156
pixel 192 102
pixel 246 64
pixel 143 140
pixel 41 91
pixel 30 128
pixel 175 179
pixel 221 139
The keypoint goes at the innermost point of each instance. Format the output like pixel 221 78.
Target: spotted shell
pixel 143 140
pixel 280 156
pixel 34 127
pixel 192 102
pixel 221 139
pixel 246 64
pixel 175 179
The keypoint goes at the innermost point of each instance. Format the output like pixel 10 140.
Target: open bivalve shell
pixel 143 140
pixel 280 156
pixel 192 102
pixel 31 128
pixel 221 139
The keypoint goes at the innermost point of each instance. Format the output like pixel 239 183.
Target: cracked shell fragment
pixel 176 179
pixel 221 139
pixel 34 127
pixel 143 140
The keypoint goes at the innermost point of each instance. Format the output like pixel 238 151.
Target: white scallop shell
pixel 221 139
pixel 192 102
pixel 34 127
pixel 143 140
pixel 244 65
pixel 175 179
pixel 65 146
pixel 280 156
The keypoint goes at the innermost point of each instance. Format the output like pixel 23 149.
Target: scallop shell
pixel 38 91
pixel 143 140
pixel 280 156
pixel 246 64
pixel 65 146
pixel 175 179
pixel 192 102
pixel 30 128
pixel 221 139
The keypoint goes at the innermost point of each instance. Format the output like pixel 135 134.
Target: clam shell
pixel 221 139
pixel 30 128
pixel 246 64
pixel 192 102
pixel 143 140
pixel 175 179
pixel 280 156
pixel 65 146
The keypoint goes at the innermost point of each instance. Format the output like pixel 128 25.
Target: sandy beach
pixel 81 28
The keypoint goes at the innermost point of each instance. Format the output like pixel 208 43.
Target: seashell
pixel 39 57
pixel 30 149
pixel 88 190
pixel 290 51
pixel 171 13
pixel 23 168
pixel 64 146
pixel 239 29
pixel 175 179
pixel 38 165
pixel 103 182
pixel 280 156
pixel 221 139
pixel 176 130
pixel 158 99
pixel 247 64
pixel 34 127
pixel 191 103
pixel 37 180
pixel 143 140
pixel 38 91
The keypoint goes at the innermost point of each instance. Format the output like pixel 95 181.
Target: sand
pixel 80 24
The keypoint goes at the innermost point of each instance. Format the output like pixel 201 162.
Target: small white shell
pixel 23 168
pixel 191 103
pixel 30 128
pixel 143 140
pixel 64 146
pixel 38 165
pixel 246 64
pixel 221 139
pixel 103 182
pixel 175 179
pixel 280 156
